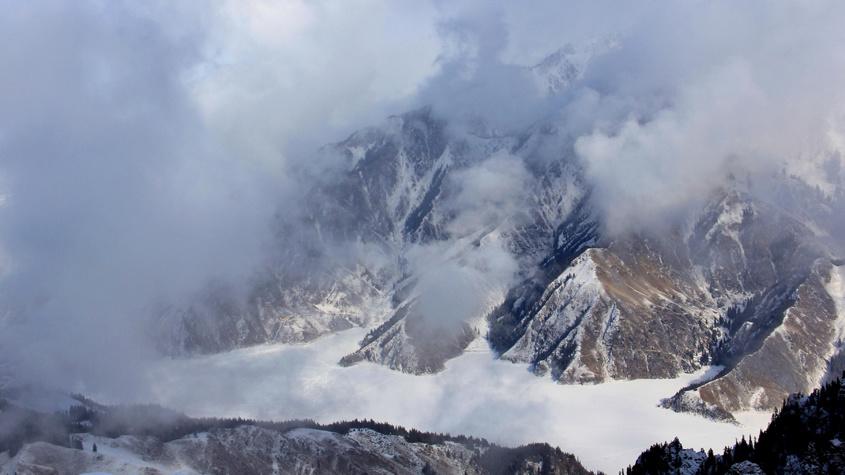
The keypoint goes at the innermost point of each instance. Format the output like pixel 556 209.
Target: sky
pixel 145 148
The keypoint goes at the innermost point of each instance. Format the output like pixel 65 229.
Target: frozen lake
pixel 605 425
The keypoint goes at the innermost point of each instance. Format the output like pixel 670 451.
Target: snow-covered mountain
pixel 746 286
pixel 557 71
pixel 748 283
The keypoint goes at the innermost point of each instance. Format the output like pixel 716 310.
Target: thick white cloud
pixel 144 149
pixel 115 194
pixel 282 77
pixel 488 193
pixel 708 90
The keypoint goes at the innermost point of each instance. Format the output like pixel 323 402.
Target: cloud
pixel 114 193
pixel 145 149
pixel 651 169
pixel 605 425
pixel 473 83
pixel 705 91
pixel 691 93
pixel 282 78
pixel 460 283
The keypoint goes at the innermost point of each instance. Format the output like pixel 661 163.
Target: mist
pixel 146 150
pixel 115 193
pixel 712 92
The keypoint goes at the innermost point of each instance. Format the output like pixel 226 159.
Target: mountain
pixel 745 286
pixel 346 261
pixel 560 69
pixel 750 280
pixel 343 260
pixel 804 437
pixel 88 437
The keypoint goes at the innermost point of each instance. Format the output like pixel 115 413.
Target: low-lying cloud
pixel 606 426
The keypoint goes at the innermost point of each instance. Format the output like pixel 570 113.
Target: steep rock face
pixel 792 358
pixel 394 178
pixel 745 286
pixel 779 336
pixel 555 334
pixel 575 234
pixel 616 313
pixel 557 71
pixel 404 342
pixel 662 324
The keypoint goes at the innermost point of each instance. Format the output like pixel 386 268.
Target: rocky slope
pixel 745 285
pixel 796 355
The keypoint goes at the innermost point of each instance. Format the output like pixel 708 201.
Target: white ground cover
pixel 605 425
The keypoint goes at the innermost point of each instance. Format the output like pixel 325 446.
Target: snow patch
pixel 836 289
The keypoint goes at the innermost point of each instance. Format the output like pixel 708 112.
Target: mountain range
pixel 750 281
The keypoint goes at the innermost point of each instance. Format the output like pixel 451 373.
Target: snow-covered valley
pixel 605 425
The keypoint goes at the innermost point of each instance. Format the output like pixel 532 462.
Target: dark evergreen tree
pixel 807 434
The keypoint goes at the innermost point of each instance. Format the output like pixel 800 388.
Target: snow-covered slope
pixel 247 449
pixel 250 449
